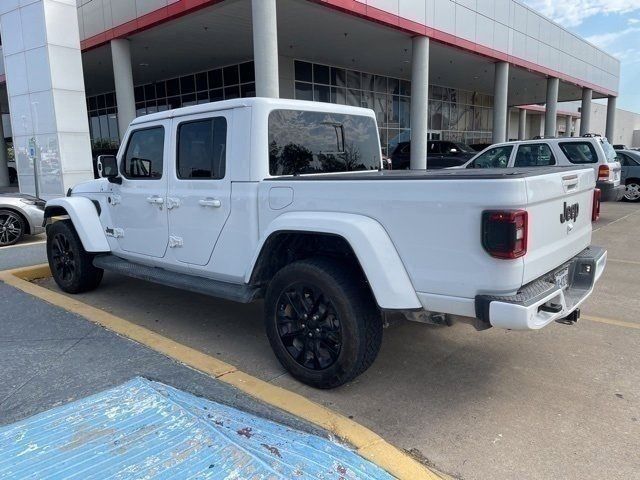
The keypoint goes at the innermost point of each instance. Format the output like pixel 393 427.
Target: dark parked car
pixel 440 154
pixel 630 161
pixel 478 147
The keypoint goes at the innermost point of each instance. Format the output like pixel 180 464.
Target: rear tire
pixel 632 191
pixel 71 265
pixel 322 322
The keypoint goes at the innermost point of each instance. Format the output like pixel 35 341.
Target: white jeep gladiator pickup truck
pixel 285 201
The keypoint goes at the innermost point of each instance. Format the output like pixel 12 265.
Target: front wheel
pixel 322 322
pixel 12 228
pixel 71 265
pixel 632 192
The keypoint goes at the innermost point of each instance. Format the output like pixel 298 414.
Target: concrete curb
pixel 366 442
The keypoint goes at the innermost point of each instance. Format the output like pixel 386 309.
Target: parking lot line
pixel 616 221
pixel 628 262
pixel 366 442
pixel 27 244
pixel 611 321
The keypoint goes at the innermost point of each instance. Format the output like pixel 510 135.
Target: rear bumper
pixel 610 192
pixel 530 308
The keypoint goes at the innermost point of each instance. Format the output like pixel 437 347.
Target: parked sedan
pixel 440 154
pixel 20 215
pixel 630 161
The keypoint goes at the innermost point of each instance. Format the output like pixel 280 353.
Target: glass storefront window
pixel 453 114
pixel 232 81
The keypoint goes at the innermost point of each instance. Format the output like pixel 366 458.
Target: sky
pixel 614 26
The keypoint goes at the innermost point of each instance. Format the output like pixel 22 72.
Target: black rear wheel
pixel 12 228
pixel 322 322
pixel 71 265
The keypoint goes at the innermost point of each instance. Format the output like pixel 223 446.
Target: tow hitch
pixel 570 319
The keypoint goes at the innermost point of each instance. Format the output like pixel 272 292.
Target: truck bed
pixel 447 174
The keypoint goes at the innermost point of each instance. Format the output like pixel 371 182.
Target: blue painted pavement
pixel 144 429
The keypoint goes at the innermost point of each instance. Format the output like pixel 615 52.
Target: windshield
pixel 609 152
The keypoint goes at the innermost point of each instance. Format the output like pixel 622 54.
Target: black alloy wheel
pixel 63 257
pixel 11 228
pixel 322 321
pixel 309 326
pixel 71 265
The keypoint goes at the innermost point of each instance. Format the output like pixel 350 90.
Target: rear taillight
pixel 595 212
pixel 603 172
pixel 504 234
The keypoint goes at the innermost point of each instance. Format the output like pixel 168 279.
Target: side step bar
pixel 229 291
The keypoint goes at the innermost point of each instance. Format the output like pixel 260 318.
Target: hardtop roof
pixel 269 103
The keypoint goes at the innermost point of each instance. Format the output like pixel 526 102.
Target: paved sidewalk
pixel 50 357
pixel 31 251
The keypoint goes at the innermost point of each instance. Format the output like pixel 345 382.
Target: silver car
pixel 20 215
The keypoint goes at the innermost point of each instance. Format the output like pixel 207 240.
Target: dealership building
pixel 76 72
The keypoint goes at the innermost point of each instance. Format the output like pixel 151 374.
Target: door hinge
pixel 114 232
pixel 172 203
pixel 114 199
pixel 175 241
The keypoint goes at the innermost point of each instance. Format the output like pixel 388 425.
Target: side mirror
pixel 108 168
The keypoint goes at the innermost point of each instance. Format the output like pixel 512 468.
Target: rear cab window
pixel 306 142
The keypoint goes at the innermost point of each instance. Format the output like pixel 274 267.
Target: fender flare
pixel 371 244
pixel 85 218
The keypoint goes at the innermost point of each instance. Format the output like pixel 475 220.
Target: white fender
pixel 371 244
pixel 84 216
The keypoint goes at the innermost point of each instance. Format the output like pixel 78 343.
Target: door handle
pixel 155 200
pixel 210 202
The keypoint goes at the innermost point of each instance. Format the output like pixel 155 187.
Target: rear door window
pixel 497 157
pixel 202 149
pixel 303 142
pixel 579 152
pixel 535 155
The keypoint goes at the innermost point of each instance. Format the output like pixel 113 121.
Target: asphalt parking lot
pixel 563 402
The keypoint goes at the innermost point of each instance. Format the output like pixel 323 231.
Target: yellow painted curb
pixel 367 443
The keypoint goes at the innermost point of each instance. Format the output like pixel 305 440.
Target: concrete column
pixel 123 78
pixel 4 169
pixel 265 47
pixel 550 126
pixel 500 109
pixel 611 119
pixel 522 124
pixel 567 129
pixel 585 115
pixel 50 128
pixel 419 102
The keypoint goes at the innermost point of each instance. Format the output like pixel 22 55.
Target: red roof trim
pixel 172 11
pixel 352 7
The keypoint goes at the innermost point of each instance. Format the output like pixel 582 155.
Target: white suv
pixel 563 152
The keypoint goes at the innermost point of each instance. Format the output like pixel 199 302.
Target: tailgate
pixel 560 207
